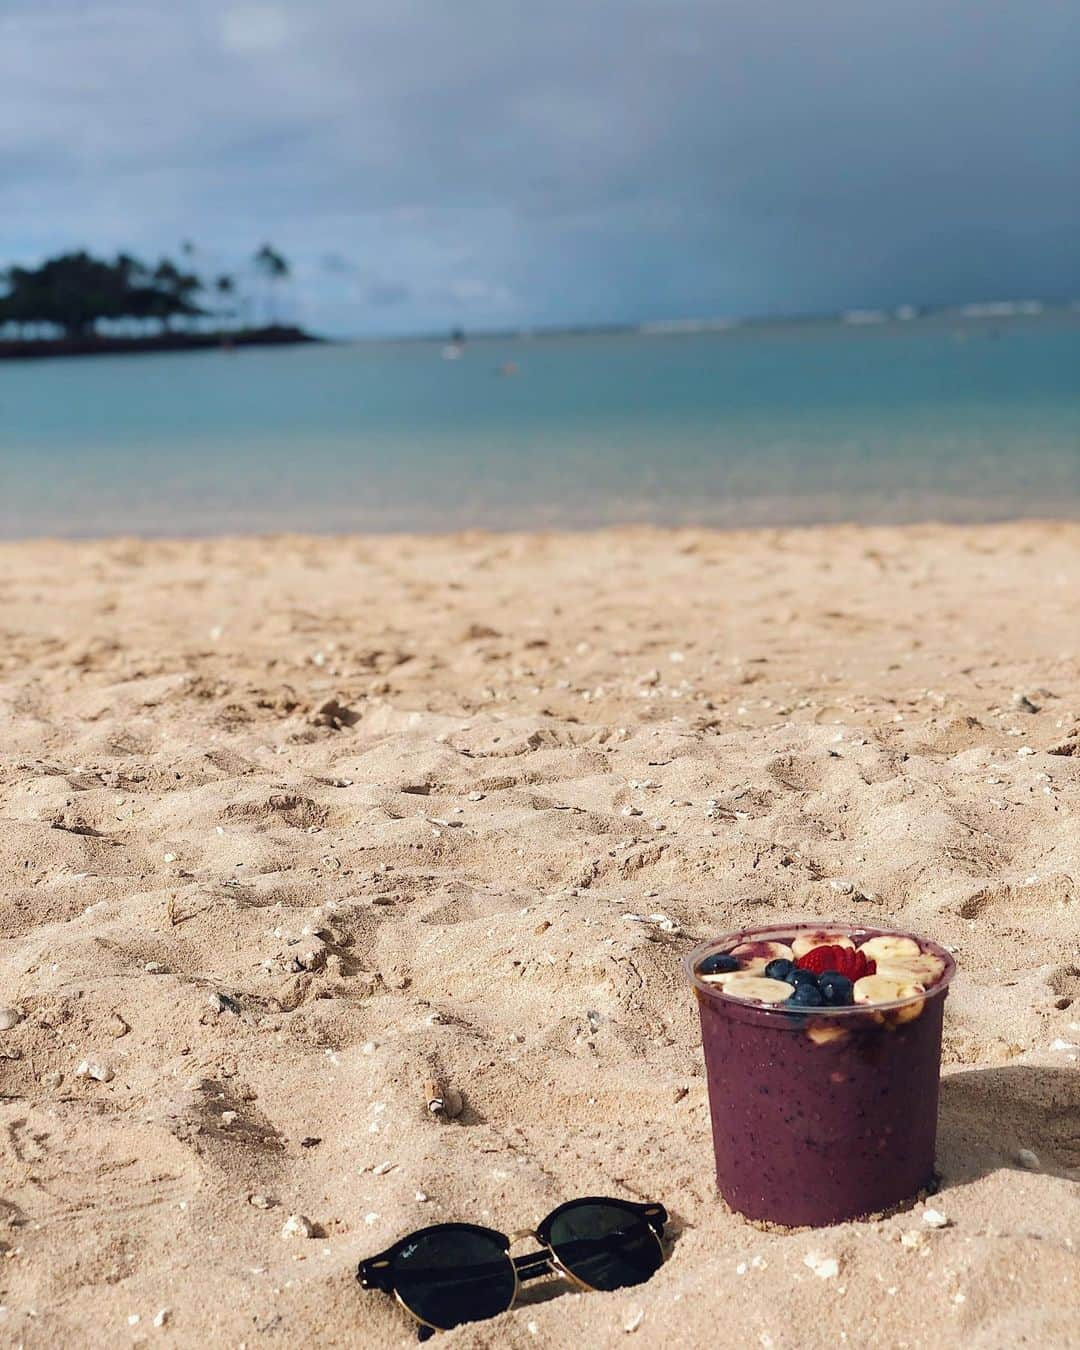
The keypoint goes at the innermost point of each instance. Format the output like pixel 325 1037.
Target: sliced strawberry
pixel 843 960
pixel 820 959
pixel 858 964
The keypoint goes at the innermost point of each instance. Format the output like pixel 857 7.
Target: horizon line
pixel 868 317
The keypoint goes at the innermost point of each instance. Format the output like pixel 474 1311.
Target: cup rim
pixel 764 931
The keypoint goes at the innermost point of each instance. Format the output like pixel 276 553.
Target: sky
pixel 502 163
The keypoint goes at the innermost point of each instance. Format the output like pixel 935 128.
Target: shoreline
pixel 470 534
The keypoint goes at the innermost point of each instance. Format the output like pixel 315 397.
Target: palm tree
pixel 134 282
pixel 273 267
pixel 175 292
pixel 225 288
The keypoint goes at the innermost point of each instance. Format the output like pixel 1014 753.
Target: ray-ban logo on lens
pixel 410 1250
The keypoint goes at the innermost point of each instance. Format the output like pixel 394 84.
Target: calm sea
pixel 817 422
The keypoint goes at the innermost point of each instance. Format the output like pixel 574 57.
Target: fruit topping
pixel 825 970
pixel 758 988
pixel 882 989
pixel 826 1033
pixel 820 959
pixel 908 1012
pixel 926 968
pixel 718 963
pixel 780 969
pixel 889 948
pixel 844 960
pixel 755 956
pixel 806 942
pixel 806 995
pixel 837 990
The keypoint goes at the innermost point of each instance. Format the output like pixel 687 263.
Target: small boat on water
pixel 455 348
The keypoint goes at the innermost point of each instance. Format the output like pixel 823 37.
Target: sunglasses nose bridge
pixel 522 1234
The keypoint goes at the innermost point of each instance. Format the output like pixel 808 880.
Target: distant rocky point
pixel 58 308
pixel 92 344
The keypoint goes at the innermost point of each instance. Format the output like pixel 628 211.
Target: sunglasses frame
pixel 377 1271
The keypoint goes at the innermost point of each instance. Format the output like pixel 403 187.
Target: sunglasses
pixel 459 1272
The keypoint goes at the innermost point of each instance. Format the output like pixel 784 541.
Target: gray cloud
pixel 386 293
pixel 502 162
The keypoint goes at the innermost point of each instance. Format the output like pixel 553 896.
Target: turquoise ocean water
pixel 919 420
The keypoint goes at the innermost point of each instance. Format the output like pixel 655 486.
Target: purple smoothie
pixel 823 1114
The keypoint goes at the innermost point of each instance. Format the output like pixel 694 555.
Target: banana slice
pixel 755 956
pixel 758 988
pixel 908 1012
pixel 887 949
pixel 720 979
pixel 823 1034
pixel 806 942
pixel 882 989
pixel 925 969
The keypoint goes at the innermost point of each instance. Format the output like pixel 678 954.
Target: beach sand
pixel 290 828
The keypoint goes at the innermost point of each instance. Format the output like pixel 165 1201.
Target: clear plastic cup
pixel 823 1115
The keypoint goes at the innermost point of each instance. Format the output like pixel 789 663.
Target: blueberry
pixel 837 989
pixel 719 963
pixel 780 969
pixel 805 996
pixel 800 976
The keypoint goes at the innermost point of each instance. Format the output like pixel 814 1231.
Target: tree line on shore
pixel 73 292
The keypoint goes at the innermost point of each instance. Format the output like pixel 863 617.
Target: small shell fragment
pixel 442 1101
pixel 96 1069
pixel 634 1319
pixel 824 1267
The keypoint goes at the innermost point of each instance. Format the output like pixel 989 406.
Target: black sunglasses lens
pixel 454 1276
pixel 605 1246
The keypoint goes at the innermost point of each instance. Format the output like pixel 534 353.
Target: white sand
pixel 435 884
